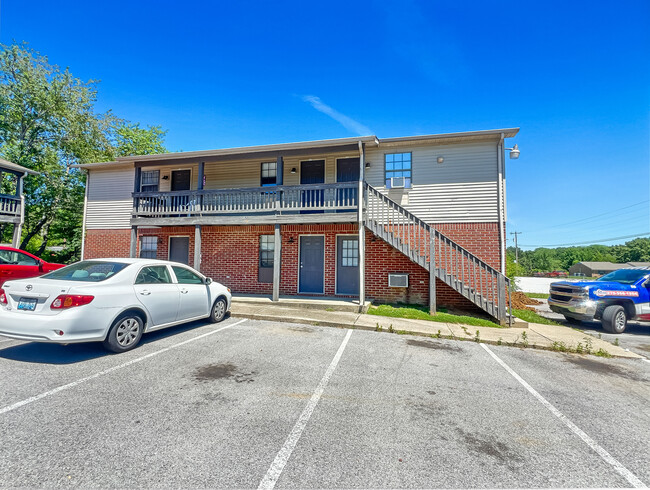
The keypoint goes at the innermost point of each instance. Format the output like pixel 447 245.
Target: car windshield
pixel 625 276
pixel 87 271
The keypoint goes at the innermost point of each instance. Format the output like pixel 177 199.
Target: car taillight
pixel 70 300
pixel 3 297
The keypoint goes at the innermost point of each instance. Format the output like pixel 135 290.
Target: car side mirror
pixel 40 266
pixel 207 281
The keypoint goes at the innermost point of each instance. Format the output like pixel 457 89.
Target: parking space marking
pixel 622 470
pixel 32 399
pixel 275 470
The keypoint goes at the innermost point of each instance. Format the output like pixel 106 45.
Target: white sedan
pixel 113 301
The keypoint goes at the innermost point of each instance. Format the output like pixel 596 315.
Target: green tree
pixel 47 123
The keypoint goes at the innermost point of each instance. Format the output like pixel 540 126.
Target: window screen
pixel 148 247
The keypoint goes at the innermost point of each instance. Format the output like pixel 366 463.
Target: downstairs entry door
pixel 347 265
pixel 312 264
pixel 179 249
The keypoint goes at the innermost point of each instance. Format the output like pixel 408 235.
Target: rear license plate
pixel 28 304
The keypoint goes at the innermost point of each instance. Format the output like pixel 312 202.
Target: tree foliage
pixel 48 122
pixel 550 259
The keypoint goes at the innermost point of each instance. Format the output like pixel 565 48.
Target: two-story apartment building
pixel 12 201
pixel 353 217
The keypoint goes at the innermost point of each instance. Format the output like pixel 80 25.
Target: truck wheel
pixel 614 319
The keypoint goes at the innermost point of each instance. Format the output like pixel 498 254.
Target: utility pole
pixel 515 233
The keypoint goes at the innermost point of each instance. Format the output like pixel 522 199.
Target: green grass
pixel 537 295
pixel 415 312
pixel 532 317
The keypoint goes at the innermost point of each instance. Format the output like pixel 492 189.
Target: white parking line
pixel 109 370
pixel 622 470
pixel 274 472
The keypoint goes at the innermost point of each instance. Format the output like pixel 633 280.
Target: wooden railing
pixel 9 205
pixel 255 200
pixel 457 267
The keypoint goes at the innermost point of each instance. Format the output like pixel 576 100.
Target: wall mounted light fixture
pixel 165 177
pixel 293 170
pixel 514 152
pixel 367 164
pixel 290 239
pixel 440 159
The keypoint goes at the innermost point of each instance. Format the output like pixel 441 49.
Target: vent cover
pixel 398 280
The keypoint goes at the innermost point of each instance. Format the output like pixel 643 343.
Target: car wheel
pixel 218 310
pixel 614 319
pixel 125 333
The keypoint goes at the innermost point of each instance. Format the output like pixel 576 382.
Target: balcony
pixel 314 203
pixel 9 209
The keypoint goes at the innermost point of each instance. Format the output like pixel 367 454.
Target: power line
pixel 596 216
pixel 591 242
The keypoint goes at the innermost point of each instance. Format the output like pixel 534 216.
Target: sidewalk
pixel 535 335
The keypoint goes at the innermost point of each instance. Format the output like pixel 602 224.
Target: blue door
pixel 312 264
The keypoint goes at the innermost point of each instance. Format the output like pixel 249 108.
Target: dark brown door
pixel 181 180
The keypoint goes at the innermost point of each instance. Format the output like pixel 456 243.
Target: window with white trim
pixel 148 247
pixel 269 174
pixel 397 165
pixel 150 181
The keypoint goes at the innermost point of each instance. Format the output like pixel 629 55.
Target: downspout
pixel 83 226
pixel 362 230
pixel 500 203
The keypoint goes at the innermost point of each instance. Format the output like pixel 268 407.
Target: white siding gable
pixel 110 203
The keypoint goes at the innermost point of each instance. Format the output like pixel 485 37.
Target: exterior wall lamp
pixel 440 159
pixel 514 152
pixel 293 170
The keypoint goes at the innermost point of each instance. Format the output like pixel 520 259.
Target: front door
pixel 347 265
pixel 347 170
pixel 312 172
pixel 179 249
pixel 312 264
pixel 181 180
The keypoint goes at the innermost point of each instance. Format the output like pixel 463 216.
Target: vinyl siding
pixel 109 199
pixel 461 189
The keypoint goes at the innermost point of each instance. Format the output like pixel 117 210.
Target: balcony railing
pixel 9 206
pixel 257 200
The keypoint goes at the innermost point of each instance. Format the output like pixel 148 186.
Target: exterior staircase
pixel 461 270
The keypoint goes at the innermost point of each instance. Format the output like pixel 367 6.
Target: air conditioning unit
pixel 397 182
pixel 398 280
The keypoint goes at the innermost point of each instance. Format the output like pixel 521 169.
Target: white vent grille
pixel 398 280
pixel 397 182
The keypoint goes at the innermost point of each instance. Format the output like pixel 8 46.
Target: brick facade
pixel 230 255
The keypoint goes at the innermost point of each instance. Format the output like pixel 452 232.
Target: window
pixel 267 250
pixel 148 247
pixel 150 179
pixel 186 276
pixel 269 174
pixel 10 257
pixel 398 165
pixel 87 271
pixel 157 274
pixel 350 253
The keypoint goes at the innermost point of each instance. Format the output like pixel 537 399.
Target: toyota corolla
pixel 113 301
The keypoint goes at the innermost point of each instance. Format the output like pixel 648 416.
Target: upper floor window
pixel 269 173
pixel 150 179
pixel 398 170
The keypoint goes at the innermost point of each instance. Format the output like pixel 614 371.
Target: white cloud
pixel 347 122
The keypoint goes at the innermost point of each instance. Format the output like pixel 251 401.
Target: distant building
pixel 595 268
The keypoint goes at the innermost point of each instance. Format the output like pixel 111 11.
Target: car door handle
pixel 184 291
pixel 145 292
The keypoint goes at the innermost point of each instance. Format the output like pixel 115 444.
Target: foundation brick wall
pixel 230 255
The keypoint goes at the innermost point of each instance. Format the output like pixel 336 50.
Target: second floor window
pixel 398 170
pixel 269 173
pixel 150 179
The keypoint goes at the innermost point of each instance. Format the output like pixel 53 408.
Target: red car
pixel 18 264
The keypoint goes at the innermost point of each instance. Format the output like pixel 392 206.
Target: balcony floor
pixel 261 219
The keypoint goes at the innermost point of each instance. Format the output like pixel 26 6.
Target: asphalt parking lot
pixel 259 404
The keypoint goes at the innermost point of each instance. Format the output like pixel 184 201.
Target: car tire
pixel 614 319
pixel 125 333
pixel 219 310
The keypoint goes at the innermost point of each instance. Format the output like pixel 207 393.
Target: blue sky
pixel 575 76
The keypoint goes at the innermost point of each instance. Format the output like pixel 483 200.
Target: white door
pixel 194 294
pixel 157 292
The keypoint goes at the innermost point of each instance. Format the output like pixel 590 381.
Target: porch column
pixel 199 184
pixel 277 263
pixel 134 242
pixel 362 229
pixel 18 227
pixel 279 171
pixel 137 179
pixel 197 244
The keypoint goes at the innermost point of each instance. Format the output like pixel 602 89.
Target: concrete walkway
pixel 532 335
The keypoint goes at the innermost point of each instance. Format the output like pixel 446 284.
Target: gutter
pixel 501 202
